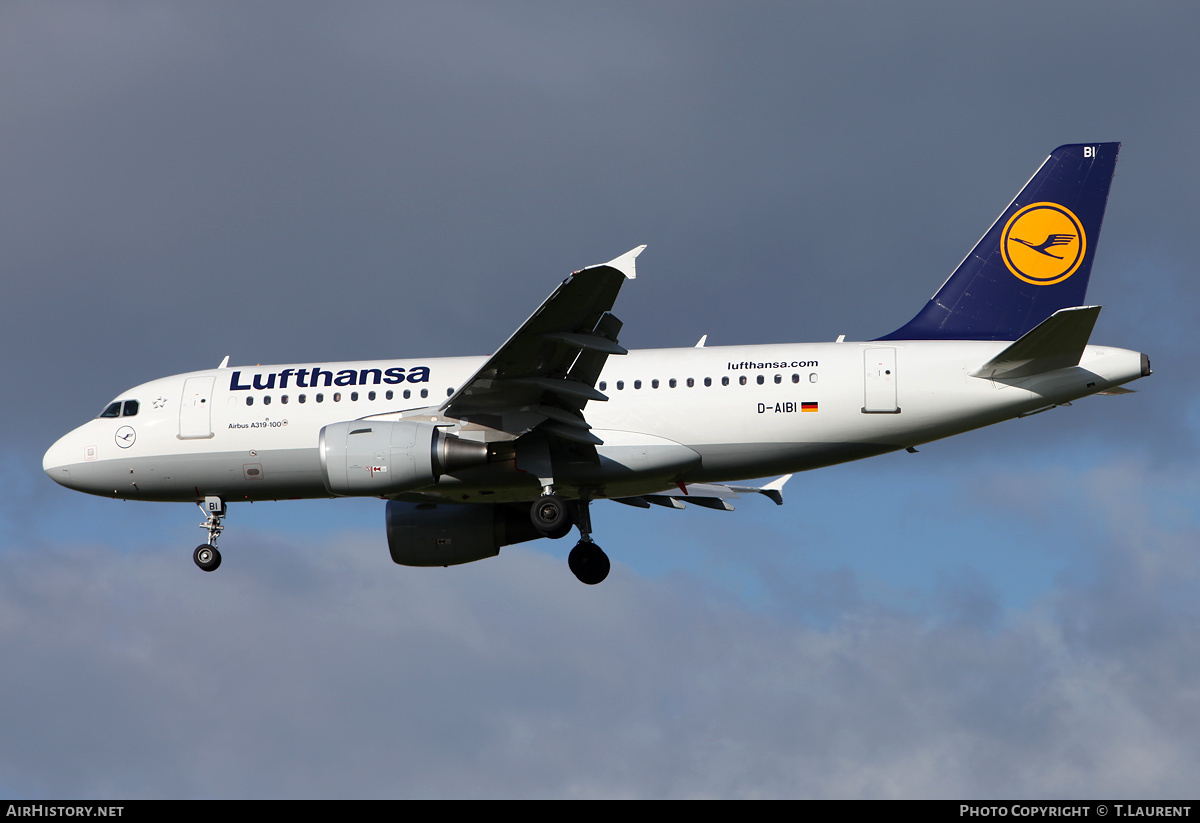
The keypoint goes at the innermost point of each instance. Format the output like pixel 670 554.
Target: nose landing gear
pixel 206 556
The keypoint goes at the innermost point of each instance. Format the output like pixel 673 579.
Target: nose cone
pixel 57 461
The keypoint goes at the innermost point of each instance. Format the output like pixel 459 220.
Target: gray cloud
pixel 283 182
pixel 314 669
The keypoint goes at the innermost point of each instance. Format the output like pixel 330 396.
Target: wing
pixel 707 495
pixel 545 374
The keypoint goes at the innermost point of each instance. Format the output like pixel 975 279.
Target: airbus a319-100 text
pixel 473 454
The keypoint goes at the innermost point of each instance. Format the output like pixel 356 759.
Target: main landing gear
pixel 552 516
pixel 206 556
pixel 588 562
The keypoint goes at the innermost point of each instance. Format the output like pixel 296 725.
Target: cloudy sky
pixel 1010 613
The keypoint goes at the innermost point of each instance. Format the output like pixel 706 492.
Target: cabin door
pixel 879 396
pixel 195 408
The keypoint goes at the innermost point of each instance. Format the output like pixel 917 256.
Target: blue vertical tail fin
pixel 1034 260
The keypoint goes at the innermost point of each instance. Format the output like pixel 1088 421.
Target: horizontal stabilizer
pixel 1055 343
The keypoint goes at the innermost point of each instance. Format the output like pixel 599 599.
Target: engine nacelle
pixel 364 457
pixel 429 534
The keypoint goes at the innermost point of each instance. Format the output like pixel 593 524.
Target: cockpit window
pixel 127 408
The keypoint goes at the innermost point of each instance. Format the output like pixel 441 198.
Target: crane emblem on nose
pixel 125 436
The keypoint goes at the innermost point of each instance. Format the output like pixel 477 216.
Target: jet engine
pixel 429 534
pixel 381 458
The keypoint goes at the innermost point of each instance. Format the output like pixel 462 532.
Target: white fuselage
pixel 251 433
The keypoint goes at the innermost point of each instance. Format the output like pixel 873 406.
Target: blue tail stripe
pixel 989 296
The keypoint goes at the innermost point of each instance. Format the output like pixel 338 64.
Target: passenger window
pixel 320 398
pixel 603 385
pixel 301 399
pixel 370 395
pixel 691 383
pixel 407 394
pixel 779 378
pixel 760 380
pixel 620 385
pixel 672 382
pixel 654 384
pixel 449 392
pixel 795 378
pixel 724 381
pixel 707 382
pixel 267 400
pixel 130 409
pixel 283 399
pixel 637 384
pixel 389 394
pixel 353 395
pixel 337 397
pixel 249 400
pixel 742 379
pixel 114 410
pixel 424 392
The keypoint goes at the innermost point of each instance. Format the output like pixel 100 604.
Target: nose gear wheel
pixel 207 557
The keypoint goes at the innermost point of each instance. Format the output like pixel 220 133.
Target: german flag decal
pixel 807 407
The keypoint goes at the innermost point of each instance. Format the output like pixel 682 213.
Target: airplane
pixel 476 453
